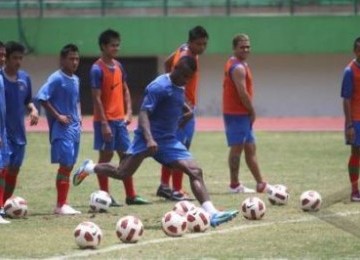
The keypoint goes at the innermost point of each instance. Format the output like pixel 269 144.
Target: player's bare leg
pixel 195 176
pixel 253 165
pixel 234 166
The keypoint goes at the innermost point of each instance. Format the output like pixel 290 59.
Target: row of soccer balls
pixel 252 208
pixel 184 217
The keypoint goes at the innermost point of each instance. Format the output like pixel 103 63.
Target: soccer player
pixel 61 100
pixel 112 111
pixel 350 92
pixel 18 96
pixel 155 136
pixel 239 116
pixel 3 150
pixel 195 46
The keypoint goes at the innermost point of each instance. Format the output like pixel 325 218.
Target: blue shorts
pixel 119 142
pixel 186 133
pixel 169 150
pixel 238 129
pixel 356 142
pixel 64 152
pixel 16 153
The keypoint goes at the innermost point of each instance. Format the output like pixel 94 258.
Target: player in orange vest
pixel 196 45
pixel 112 111
pixel 239 116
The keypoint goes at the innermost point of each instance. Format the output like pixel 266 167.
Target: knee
pixel 197 173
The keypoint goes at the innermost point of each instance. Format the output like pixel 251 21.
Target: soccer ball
pixel 198 220
pixel 278 195
pixel 87 235
pixel 310 201
pixel 183 207
pixel 253 208
pixel 99 200
pixel 173 224
pixel 129 229
pixel 16 207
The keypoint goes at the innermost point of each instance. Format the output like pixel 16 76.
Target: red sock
pixel 353 167
pixel 2 187
pixel 165 176
pixel 10 182
pixel 62 185
pixel 129 187
pixel 177 177
pixel 103 182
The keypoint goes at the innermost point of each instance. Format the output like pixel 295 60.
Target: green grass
pixel 301 161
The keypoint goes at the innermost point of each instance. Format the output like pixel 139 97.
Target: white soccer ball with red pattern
pixel 278 194
pixel 99 200
pixel 183 207
pixel 253 208
pixel 310 201
pixel 174 224
pixel 198 220
pixel 16 207
pixel 88 235
pixel 129 229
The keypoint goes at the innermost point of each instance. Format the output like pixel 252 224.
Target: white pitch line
pixel 87 253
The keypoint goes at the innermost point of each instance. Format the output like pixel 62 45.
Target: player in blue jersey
pixel 161 111
pixel 61 100
pixel 3 150
pixel 18 96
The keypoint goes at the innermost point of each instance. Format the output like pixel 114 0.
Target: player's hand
pixel 34 117
pixel 128 119
pixel 350 135
pixel 64 120
pixel 252 118
pixel 152 147
pixel 106 132
pixel 185 118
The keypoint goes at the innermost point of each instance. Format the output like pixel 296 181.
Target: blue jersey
pixel 164 102
pixel 62 91
pixel 96 75
pixel 3 148
pixel 17 95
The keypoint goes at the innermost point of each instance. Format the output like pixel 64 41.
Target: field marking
pixel 87 253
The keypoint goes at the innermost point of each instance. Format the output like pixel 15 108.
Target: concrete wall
pixel 285 85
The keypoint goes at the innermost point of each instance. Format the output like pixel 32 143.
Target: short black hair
pixel 107 35
pixel 188 62
pixel 356 43
pixel 12 47
pixel 197 32
pixel 67 49
pixel 2 45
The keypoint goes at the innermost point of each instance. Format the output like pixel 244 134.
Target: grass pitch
pixel 301 161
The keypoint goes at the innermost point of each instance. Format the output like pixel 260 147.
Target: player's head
pixel 183 70
pixel 2 54
pixel 241 46
pixel 14 55
pixel 109 43
pixel 197 40
pixel 357 48
pixel 69 58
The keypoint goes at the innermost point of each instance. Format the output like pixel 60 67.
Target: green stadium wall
pixel 160 35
